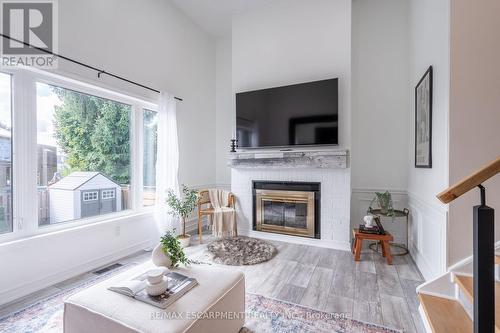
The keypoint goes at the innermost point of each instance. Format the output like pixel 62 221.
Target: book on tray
pixel 178 285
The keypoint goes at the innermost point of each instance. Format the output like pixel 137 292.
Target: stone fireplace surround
pixel 329 168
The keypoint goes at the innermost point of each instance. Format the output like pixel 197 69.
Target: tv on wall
pixel 295 115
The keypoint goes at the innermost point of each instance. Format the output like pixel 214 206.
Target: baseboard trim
pixel 47 281
pixel 421 263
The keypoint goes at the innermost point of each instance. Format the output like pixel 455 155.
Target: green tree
pixel 94 133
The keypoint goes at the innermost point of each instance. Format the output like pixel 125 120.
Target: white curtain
pixel 167 159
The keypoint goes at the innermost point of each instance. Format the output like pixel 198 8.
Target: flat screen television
pixel 295 115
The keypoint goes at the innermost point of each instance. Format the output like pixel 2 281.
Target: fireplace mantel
pixel 317 159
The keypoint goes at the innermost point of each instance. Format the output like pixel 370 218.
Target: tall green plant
pixel 182 206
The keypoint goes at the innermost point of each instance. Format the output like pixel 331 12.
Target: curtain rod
pixel 99 71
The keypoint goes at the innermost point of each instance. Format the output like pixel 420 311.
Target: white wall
pixel 291 41
pixel 224 105
pixel 154 43
pixel 150 42
pixel 474 112
pixel 287 42
pixel 393 43
pixel 429 45
pixel 380 62
pixel 41 261
pixel 282 42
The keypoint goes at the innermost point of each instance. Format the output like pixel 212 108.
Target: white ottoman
pixel 217 305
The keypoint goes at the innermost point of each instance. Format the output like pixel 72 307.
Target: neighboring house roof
pixel 76 179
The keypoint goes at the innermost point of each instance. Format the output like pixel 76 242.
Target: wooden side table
pixel 384 240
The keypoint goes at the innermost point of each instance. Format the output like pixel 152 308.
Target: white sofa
pixel 217 305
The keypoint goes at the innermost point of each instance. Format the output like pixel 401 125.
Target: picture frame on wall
pixel 423 121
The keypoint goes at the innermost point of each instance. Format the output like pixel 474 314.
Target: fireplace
pixel 291 208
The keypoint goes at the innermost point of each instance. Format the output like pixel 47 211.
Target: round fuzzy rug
pixel 237 251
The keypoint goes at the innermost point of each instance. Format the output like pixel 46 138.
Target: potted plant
pixel 169 252
pixel 181 207
pixel 384 201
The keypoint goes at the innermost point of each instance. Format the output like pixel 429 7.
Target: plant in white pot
pixel 169 252
pixel 181 207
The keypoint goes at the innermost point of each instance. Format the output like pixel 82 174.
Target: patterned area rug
pixel 46 315
pixel 238 251
pixel 264 315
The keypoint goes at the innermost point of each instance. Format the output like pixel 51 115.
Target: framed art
pixel 423 121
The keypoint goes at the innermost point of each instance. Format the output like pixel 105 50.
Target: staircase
pixel 463 299
pixel 453 311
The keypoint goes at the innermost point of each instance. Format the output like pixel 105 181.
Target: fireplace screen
pixel 287 212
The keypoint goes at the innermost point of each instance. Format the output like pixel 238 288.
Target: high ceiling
pixel 215 15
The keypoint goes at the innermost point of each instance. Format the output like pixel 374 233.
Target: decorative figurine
pixel 368 221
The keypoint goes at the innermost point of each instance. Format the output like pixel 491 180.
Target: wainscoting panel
pixel 428 241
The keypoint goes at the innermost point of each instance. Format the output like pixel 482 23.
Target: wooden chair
pixel 206 209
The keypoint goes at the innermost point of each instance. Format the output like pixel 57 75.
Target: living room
pixel 134 124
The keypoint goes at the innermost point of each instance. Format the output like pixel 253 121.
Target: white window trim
pixel 108 194
pixel 24 136
pixel 77 224
pixel 86 196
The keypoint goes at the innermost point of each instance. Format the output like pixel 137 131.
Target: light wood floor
pixel 330 280
pixel 319 278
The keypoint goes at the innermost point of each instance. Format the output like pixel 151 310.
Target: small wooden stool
pixel 384 240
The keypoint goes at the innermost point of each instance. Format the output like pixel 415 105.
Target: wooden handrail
pixel 468 183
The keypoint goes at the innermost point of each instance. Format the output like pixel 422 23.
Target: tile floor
pixel 320 278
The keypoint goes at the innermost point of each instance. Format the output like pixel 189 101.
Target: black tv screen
pixel 294 115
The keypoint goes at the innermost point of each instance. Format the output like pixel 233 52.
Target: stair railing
pixel 483 245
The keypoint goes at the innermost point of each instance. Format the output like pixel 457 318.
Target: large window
pixel 71 153
pixel 150 125
pixel 83 146
pixel 5 154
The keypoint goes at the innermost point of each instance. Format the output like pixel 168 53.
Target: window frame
pixel 12 142
pixel 24 147
pixel 142 157
pixel 108 194
pixel 86 196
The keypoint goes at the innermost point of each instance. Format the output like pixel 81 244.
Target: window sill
pixel 70 226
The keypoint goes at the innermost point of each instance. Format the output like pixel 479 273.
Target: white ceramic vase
pixel 159 258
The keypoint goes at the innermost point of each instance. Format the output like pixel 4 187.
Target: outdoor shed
pixel 83 194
